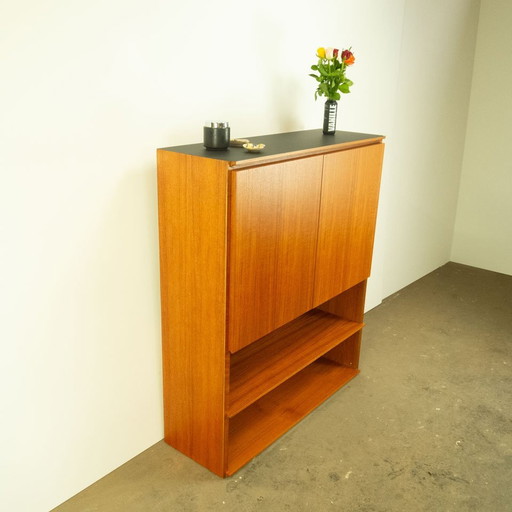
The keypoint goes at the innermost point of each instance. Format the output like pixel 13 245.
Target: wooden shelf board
pixel 270 361
pixel 258 426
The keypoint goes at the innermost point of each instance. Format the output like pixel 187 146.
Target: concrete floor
pixel 426 426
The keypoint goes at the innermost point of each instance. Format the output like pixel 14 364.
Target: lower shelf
pixel 258 426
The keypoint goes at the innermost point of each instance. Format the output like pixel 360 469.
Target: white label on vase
pixel 332 117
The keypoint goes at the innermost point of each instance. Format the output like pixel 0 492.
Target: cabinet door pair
pixel 301 232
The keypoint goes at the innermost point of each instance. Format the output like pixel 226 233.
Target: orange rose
pixel 347 57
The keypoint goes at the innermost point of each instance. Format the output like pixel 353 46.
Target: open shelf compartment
pixel 265 364
pixel 260 424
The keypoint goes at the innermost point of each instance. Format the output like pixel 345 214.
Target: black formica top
pixel 279 143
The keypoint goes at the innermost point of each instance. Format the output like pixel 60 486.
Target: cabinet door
pixel 348 211
pixel 272 246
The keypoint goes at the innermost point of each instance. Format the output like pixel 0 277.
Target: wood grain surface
pixel 263 365
pixel 263 276
pixel 258 426
pixel 192 209
pixel 272 249
pixel 348 212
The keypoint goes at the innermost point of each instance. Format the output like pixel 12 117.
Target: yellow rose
pixel 321 53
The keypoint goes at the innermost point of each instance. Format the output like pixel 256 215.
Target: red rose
pixel 348 57
pixel 335 53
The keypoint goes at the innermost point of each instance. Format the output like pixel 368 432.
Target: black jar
pixel 216 135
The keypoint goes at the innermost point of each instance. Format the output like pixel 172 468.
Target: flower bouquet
pixel 331 66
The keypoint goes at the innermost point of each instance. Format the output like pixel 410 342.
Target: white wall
pixel 424 162
pixel 483 229
pixel 88 91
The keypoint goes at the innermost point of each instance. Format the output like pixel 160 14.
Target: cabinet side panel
pixel 347 353
pixel 192 203
pixel 348 212
pixel 272 250
pixel 349 304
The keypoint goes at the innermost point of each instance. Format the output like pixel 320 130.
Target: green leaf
pixel 344 88
pixel 314 67
pixel 323 70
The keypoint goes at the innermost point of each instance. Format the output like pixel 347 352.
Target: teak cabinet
pixel 264 260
